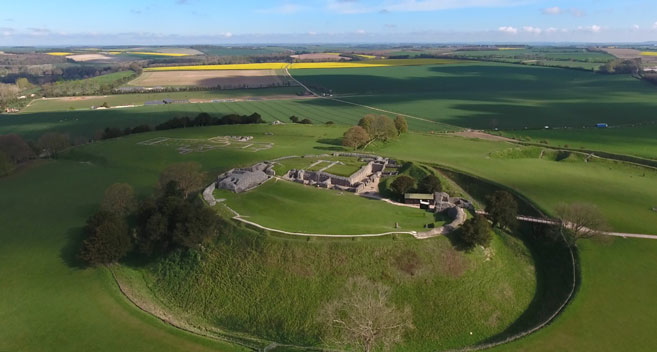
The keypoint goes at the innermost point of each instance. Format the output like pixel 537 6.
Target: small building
pixel 418 198
pixel 601 125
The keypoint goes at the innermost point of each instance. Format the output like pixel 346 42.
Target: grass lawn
pixel 294 207
pixel 492 95
pixel 47 300
pixel 636 141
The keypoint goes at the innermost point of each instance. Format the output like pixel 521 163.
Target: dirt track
pixel 210 78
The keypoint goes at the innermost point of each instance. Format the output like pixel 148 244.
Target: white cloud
pixel 360 31
pixel 508 29
pixel 654 26
pixel 636 27
pixel 593 29
pixel 228 34
pixel 354 6
pixel 533 30
pixel 556 10
pixel 551 30
pixel 553 10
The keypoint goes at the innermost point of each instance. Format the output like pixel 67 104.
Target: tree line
pixel 14 150
pixel 171 218
pixel 202 119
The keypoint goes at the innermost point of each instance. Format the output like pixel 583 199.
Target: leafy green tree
pixel 502 209
pixel 188 176
pixel 355 137
pixel 107 239
pixel 402 184
pixel 306 122
pixel 430 184
pixel 366 123
pixel 294 119
pixel 475 232
pixel 383 128
pixel 119 199
pixel 401 124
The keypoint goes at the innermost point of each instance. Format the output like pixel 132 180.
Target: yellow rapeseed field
pixel 59 53
pixel 156 53
pixel 366 56
pixel 307 65
pixel 649 53
pixel 259 66
pixel 510 48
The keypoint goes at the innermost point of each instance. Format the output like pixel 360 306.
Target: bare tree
pixel 53 142
pixel 188 176
pixel 363 319
pixel 119 199
pixel 582 220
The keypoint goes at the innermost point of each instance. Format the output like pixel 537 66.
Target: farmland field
pixel 226 79
pixel 86 102
pixel 488 95
pixel 637 141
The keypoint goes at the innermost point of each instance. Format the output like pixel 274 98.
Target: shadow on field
pixel 69 253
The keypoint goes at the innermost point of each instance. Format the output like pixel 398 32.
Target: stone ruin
pixel 443 201
pixel 356 182
pixel 244 179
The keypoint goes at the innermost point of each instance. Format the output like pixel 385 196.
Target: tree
pixel 294 119
pixel 582 220
pixel 475 231
pixel 105 105
pixel 107 239
pixel 355 137
pixel 364 319
pixel 306 122
pixel 502 209
pixel 53 142
pixel 196 226
pixel 430 184
pixel 366 123
pixel 188 176
pixel 15 148
pixel 383 128
pixel 401 124
pixel 5 164
pixel 402 184
pixel 119 199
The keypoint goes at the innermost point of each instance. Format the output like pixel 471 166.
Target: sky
pixel 170 22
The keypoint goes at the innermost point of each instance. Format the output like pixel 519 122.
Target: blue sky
pixel 74 22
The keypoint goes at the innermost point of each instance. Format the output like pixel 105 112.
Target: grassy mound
pixel 274 287
pixel 294 207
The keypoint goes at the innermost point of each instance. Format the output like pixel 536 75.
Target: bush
pixel 430 184
pixel 107 239
pixel 502 209
pixel 475 232
pixel 402 184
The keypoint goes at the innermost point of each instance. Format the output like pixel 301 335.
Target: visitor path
pixel 548 221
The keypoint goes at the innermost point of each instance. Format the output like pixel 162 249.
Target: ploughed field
pixel 226 79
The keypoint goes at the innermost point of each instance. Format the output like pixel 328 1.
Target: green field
pixel 637 141
pixel 68 104
pixel 489 95
pixel 271 285
pixel 330 212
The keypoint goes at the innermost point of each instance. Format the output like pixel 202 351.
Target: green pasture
pixel 492 95
pixel 294 207
pixel 637 141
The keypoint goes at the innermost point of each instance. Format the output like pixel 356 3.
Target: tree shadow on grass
pixel 69 252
